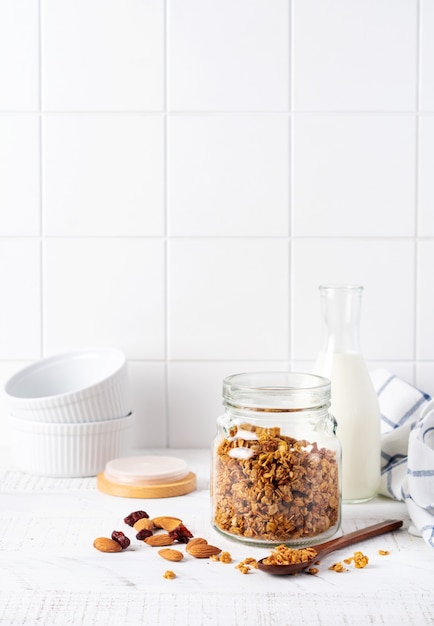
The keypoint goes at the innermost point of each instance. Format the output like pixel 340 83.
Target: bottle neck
pixel 341 307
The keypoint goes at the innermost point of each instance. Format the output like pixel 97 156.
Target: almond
pixel 166 522
pixel 203 550
pixel 195 541
pixel 171 555
pixel 144 523
pixel 104 544
pixel 159 540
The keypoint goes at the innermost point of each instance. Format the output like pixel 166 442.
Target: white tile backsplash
pixel 386 269
pixel 425 301
pixel 177 177
pixel 20 213
pixel 103 175
pixel 425 377
pixel 104 291
pixel 228 299
pixel 148 392
pixel 367 188
pixel 426 178
pixel 102 55
pixel 354 56
pixel 426 86
pixel 228 56
pixel 19 55
pixel 228 175
pixel 20 289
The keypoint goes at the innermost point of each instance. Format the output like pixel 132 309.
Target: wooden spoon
pixel 334 544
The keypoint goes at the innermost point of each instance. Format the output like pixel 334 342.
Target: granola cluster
pixel 283 555
pixel 360 560
pixel 274 488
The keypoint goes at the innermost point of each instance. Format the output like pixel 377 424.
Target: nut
pixel 104 544
pixel 202 550
pixel 171 555
pixel 194 541
pixel 166 522
pixel 144 524
pixel 159 540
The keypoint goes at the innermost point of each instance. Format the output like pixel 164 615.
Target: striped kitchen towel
pixel 407 448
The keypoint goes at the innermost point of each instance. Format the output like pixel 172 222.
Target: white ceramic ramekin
pixel 74 387
pixel 68 450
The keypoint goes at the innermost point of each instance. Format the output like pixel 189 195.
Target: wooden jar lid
pixel 146 477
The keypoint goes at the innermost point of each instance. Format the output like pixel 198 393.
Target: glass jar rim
pixel 341 287
pixel 276 391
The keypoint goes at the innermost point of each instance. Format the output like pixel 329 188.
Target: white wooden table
pixel 51 574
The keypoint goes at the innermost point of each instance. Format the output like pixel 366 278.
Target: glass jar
pixel 276 460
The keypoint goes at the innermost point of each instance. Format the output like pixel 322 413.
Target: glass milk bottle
pixel 354 402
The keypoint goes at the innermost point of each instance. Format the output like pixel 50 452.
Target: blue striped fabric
pixel 407 448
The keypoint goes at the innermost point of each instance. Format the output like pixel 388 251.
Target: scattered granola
pixel 273 487
pixel 360 560
pixel 224 557
pixel 245 566
pixel 312 570
pixel 251 561
pixel 169 574
pixel 383 552
pixel 338 567
pixel 283 555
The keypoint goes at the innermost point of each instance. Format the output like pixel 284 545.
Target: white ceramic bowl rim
pixel 63 374
pixel 68 430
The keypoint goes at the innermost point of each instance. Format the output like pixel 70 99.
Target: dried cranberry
pixel 180 534
pixel 132 518
pixel 122 540
pixel 142 534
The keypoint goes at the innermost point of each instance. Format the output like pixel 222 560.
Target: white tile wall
pixel 19 55
pixel 355 56
pixel 103 175
pixel 19 171
pixel 426 84
pixel 426 178
pixel 102 55
pixel 367 188
pixel 228 56
pixel 104 291
pixel 228 175
pixel 177 177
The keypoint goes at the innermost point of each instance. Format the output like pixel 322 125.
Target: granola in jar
pixel 269 487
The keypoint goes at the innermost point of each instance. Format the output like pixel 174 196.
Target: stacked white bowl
pixel 70 414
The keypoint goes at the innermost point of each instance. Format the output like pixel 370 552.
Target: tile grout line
pixel 41 195
pixel 290 181
pixel 416 191
pixel 166 242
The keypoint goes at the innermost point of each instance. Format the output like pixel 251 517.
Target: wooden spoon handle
pixel 358 535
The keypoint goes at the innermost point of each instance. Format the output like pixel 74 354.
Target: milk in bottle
pixel 354 402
